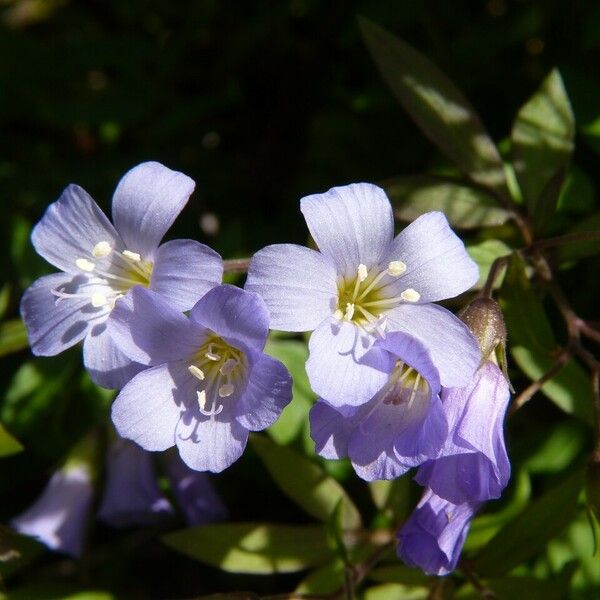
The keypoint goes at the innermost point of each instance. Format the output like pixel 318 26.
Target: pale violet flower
pixel 433 536
pixel 209 383
pixel 363 283
pixel 401 427
pixel 59 517
pixel 102 262
pixel 473 465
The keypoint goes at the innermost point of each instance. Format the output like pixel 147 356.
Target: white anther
pixel 349 311
pixel 226 390
pixel 132 255
pixel 396 268
pixel 212 356
pixel 98 300
pixel 101 249
pixel 228 366
pixel 196 372
pixel 410 295
pixel 201 399
pixel 362 272
pixel 85 265
pixel 338 314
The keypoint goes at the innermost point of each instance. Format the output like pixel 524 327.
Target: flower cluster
pixel 402 382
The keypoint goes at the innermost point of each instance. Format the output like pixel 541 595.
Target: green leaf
pixel 534 347
pixel 523 537
pixel 436 106
pixel 395 591
pixel 323 580
pixel 293 354
pixel 484 254
pixel 392 497
pixel 542 143
pixel 400 574
pixel 8 444
pixel 583 249
pixel 260 548
pixel 305 482
pixel 13 337
pixel 465 207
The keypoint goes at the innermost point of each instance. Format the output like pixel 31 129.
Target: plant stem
pixel 236 265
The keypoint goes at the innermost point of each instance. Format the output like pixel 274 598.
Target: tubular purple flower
pixel 473 465
pixel 433 536
pixel 364 282
pixel 402 426
pixel 102 262
pixel 195 493
pixel 59 516
pixel 209 382
pixel 131 494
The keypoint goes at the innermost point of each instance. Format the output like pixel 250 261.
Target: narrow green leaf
pixel 484 254
pixel 305 482
pixel 526 535
pixel 534 348
pixel 8 444
pixel 436 105
pixel 465 207
pixel 542 143
pixel 395 591
pixel 293 354
pixel 323 580
pixel 260 548
pixel 578 250
pixel 13 337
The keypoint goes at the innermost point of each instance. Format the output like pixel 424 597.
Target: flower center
pixel 364 298
pixel 117 271
pixel 405 385
pixel 220 368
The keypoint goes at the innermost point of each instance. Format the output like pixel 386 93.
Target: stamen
pixel 134 256
pixel 396 268
pixel 98 300
pixel 196 372
pixel 410 295
pixel 201 399
pixel 338 314
pixel 202 404
pixel 362 272
pixel 101 249
pixel 349 311
pixel 226 390
pixel 85 265
pixel 229 365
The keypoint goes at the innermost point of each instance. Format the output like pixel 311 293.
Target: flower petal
pixel 268 391
pixel 146 202
pixel 70 229
pixel 235 315
pixel 452 347
pixel 148 408
pixel 298 285
pixel 351 225
pixel 55 324
pixel 149 330
pixel 184 270
pixel 330 430
pixel 437 263
pixel 107 366
pixel 343 367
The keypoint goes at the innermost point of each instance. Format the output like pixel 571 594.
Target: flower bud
pixel 484 318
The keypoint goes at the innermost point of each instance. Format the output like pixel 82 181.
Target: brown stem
pixel 569 238
pixel 236 265
pixel 596 400
pixel 497 266
pixel 472 577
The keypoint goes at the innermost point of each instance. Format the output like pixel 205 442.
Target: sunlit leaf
pixel 13 337
pixel 8 444
pixel 305 482
pixel 392 497
pixel 534 348
pixel 465 207
pixel 323 580
pixel 394 591
pixel 526 535
pixel 254 547
pixel 542 143
pixel 484 254
pixel 436 106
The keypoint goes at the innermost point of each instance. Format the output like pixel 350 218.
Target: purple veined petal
pixel 149 407
pixel 238 316
pixel 343 367
pixel 70 229
pixel 146 202
pixel 268 391
pixel 149 330
pixel 59 516
pixel 352 225
pixel 55 324
pixel 107 366
pixel 131 493
pixel 298 285
pixel 437 263
pixel 195 493
pixel 184 270
pixel 211 443
pixel 452 347
pixel 433 536
pixel 330 429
